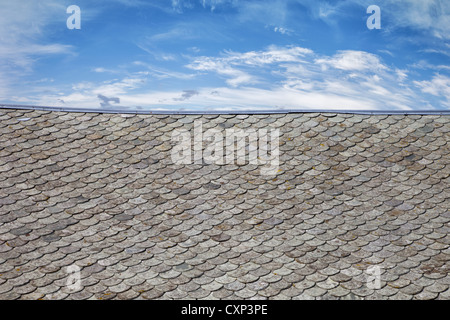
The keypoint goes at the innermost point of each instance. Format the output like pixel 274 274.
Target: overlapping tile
pixel 100 192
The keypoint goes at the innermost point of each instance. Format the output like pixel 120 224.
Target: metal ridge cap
pixel 224 112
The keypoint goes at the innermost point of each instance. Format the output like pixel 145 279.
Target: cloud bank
pixel 269 77
pixel 287 77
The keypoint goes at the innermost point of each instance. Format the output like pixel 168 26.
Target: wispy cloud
pixel 104 70
pixel 235 76
pixel 282 30
pixel 439 86
pixel 161 73
pixel 233 73
pixel 22 41
pixel 233 64
pixel 430 16
pixel 352 80
pixel 424 65
pixel 88 94
pixel 353 61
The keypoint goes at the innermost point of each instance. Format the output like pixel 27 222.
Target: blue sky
pixel 226 55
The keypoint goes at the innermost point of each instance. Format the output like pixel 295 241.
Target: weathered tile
pixel 101 192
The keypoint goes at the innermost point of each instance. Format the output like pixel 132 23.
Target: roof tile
pixel 99 191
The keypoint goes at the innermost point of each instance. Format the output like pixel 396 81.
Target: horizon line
pixel 224 112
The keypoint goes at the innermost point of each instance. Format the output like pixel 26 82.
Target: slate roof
pixel 99 191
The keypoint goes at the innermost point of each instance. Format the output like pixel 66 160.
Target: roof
pixel 356 199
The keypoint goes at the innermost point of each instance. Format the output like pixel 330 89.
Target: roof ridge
pixel 233 112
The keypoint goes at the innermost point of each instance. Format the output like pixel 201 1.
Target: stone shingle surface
pixel 100 192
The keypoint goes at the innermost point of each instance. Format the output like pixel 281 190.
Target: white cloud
pixel 431 16
pixel 104 70
pixel 353 61
pixel 23 25
pixel 223 68
pixel 161 73
pixel 91 94
pixel 272 55
pixel 286 76
pixel 354 80
pixel 213 4
pixel 272 12
pixel 282 30
pixel 233 63
pixel 402 75
pixel 424 65
pixel 439 86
